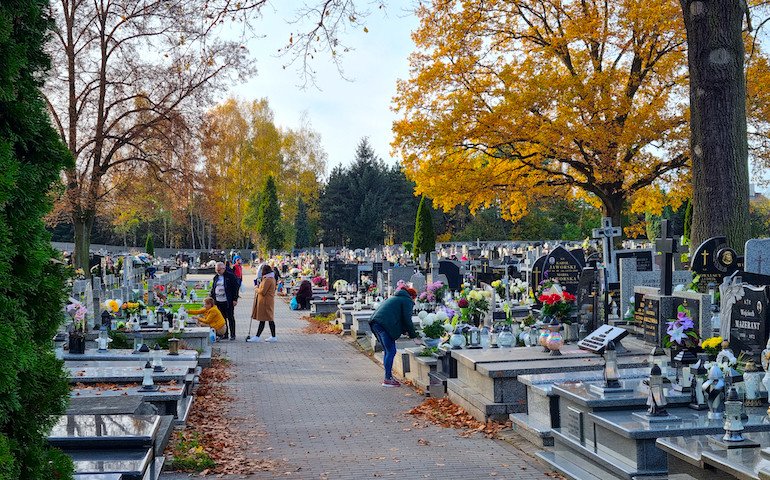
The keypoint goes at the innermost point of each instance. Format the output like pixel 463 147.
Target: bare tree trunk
pixel 718 138
pixel 83 222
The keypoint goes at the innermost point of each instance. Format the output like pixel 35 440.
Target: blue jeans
pixel 388 345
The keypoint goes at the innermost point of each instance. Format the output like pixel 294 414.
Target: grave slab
pixel 699 457
pixel 92 354
pixel 624 444
pixel 168 400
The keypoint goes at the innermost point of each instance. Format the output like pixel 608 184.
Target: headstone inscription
pixel 561 265
pixel 598 340
pixel 650 319
pixel 643 259
pixel 714 260
pixel 748 322
pixel 586 288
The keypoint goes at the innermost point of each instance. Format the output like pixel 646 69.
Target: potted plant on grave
pixel 77 336
pixel 432 325
pixel 318 281
pixel 558 304
pixel 711 347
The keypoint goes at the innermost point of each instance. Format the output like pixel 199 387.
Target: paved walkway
pixel 320 411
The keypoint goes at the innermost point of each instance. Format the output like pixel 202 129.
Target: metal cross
pixel 606 233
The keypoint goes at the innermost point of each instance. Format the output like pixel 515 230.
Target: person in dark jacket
pixel 393 318
pixel 224 291
pixel 304 294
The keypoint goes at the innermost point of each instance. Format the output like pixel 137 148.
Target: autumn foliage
pixel 522 99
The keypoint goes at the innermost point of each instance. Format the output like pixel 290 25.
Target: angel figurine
pixel 726 355
pixel 714 386
pixel 730 291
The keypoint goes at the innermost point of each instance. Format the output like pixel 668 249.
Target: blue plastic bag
pixel 293 304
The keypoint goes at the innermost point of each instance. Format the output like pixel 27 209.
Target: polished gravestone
pixel 93 354
pixel 542 413
pixel 699 457
pixel 169 399
pixel 125 445
pixel 128 374
pixel 487 385
pixel 323 307
pixel 623 444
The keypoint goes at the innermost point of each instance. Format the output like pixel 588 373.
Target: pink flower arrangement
pixel 318 281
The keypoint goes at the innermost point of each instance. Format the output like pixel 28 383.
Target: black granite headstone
pixel 647 318
pixel 748 323
pixel 714 260
pixel 537 273
pixel 588 277
pixel 643 259
pixel 562 265
pixel 579 254
pixel 452 272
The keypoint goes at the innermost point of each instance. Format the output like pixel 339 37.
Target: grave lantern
pixel 173 346
pixel 104 339
pixel 157 359
pixel 474 338
pixel 698 398
pixel 554 341
pixel 733 424
pixel 137 343
pixel 683 360
pixel 147 384
pixel 611 375
pixel 656 398
pixel 493 333
pixel 457 340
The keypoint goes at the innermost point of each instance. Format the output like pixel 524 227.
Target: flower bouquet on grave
pixel 499 288
pixel 557 303
pixel 318 281
pixel 464 305
pixel 711 347
pixel 680 333
pixel 518 289
pixel 160 294
pixel 77 337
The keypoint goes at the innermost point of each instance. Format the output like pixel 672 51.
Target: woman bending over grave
pixel 211 316
pixel 264 304
pixel 388 322
pixel 304 294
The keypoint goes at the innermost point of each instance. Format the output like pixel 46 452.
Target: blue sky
pixel 341 111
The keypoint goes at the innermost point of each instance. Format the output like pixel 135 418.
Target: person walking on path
pixel 264 304
pixel 238 270
pixel 224 291
pixel 393 318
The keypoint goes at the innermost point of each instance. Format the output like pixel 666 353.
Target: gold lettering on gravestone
pixel 536 272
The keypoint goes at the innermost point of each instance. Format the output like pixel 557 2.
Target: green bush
pixel 33 386
pixel 189 455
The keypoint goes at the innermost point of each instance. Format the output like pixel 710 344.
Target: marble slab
pixel 700 457
pixel 131 464
pixel 93 354
pixel 189 366
pixel 124 374
pixel 104 431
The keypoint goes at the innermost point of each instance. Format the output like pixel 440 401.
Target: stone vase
pixel 571 332
pixel 77 343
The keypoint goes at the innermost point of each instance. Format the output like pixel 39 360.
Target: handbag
pixel 293 304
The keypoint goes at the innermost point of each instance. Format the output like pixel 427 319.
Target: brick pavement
pixel 319 410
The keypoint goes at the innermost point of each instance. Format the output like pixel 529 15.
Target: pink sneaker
pixel 391 383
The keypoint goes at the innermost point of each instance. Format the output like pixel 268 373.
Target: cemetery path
pixel 315 406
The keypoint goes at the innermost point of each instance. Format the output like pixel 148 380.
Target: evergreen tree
pixel 33 386
pixel 424 236
pixel 269 218
pixel 149 245
pixel 333 205
pixel 301 226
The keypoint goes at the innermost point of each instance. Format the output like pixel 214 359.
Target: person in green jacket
pixel 393 318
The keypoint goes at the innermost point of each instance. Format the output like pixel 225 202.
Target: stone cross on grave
pixel 667 245
pixel 606 234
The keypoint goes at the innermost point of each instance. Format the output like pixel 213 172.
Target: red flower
pixel 462 303
pixel 569 297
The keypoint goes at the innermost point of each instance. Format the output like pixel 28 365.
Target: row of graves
pixel 623 399
pixel 133 379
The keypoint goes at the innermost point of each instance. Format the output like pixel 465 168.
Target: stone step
pixel 575 467
pixel 618 467
pixel 480 407
pixel 534 431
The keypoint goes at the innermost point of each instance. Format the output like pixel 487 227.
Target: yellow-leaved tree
pixel 508 101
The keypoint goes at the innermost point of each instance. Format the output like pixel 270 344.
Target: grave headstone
pixel 418 282
pixel 748 323
pixel 668 246
pixel 563 266
pixel 452 272
pixel 630 278
pixel 699 306
pixel 399 273
pixel 643 259
pixel 647 317
pixel 757 256
pixel 714 260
